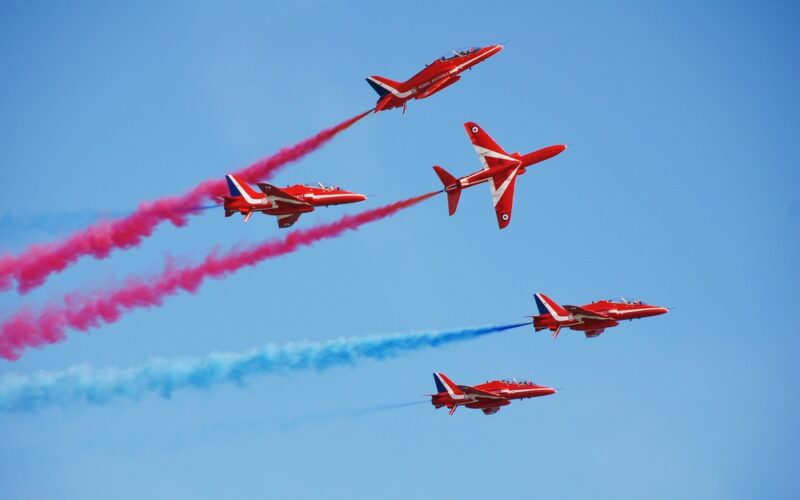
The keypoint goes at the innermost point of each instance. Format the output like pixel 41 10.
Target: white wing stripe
pixel 497 193
pixel 494 154
pixel 483 153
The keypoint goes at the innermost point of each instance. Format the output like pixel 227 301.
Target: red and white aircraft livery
pixel 500 170
pixel 287 203
pixel 489 396
pixel 591 319
pixel 437 75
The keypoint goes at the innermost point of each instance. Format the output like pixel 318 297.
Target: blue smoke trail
pixel 82 383
pixel 14 226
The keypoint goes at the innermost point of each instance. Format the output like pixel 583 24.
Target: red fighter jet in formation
pixel 591 319
pixel 287 203
pixel 437 75
pixel 489 397
pixel 500 170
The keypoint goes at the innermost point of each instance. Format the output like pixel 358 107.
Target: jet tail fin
pixel 451 187
pixel 444 384
pixel 547 305
pixel 237 187
pixel 383 85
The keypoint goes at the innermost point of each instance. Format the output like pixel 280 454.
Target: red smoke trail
pixel 32 267
pixel 83 311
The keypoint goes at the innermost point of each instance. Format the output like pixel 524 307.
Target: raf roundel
pixel 474 130
pixel 505 216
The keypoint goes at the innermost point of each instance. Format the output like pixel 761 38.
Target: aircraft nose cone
pixel 656 311
pixel 353 197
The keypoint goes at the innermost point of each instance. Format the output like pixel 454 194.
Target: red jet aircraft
pixel 500 169
pixel 437 75
pixel 489 396
pixel 591 319
pixel 287 203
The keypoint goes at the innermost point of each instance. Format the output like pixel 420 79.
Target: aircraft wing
pixel 436 87
pixel 479 394
pixel 287 220
pixel 275 193
pixel 580 312
pixel 502 187
pixel 489 152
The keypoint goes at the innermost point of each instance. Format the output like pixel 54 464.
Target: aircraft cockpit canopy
pixel 319 185
pixel 459 53
pixel 516 381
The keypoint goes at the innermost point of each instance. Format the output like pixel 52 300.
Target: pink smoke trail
pixel 32 267
pixel 82 311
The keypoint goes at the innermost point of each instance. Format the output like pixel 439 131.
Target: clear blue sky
pixel 681 188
